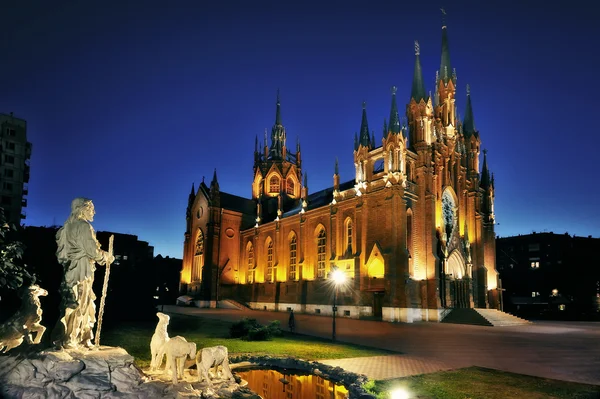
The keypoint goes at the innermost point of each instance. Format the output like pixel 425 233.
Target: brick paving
pixel 568 351
pixel 388 367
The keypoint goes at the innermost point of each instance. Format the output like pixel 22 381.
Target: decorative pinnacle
pixel 417 48
pixel 364 104
pixel 485 152
pixel 394 90
pixel 443 18
pixel 468 89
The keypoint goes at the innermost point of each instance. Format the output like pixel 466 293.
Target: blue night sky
pixel 130 102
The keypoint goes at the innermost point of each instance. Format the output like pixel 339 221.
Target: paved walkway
pixel 567 351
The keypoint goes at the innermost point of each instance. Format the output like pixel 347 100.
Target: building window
pixel 535 264
pixel 9 173
pixel 293 257
pixel 269 275
pixel 250 258
pixel 290 187
pixel 11 132
pixel 534 247
pixel 198 257
pixel 10 146
pixel 321 242
pixel 274 184
pixel 409 232
pixel 6 200
pixel 9 159
pixel 7 186
pixel 349 234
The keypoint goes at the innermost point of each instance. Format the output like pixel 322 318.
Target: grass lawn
pixel 135 338
pixel 469 383
pixel 476 382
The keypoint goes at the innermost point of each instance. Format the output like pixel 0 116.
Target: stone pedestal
pixel 105 373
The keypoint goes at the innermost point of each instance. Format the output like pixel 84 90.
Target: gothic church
pixel 413 231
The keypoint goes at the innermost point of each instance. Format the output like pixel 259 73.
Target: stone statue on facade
pixel 78 252
pixel 26 321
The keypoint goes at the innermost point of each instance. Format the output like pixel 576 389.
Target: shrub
pixel 275 328
pixel 259 334
pixel 243 327
pixel 252 330
pixel 13 273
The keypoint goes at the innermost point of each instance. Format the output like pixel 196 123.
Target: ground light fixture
pixel 399 393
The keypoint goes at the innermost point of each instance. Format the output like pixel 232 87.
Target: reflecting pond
pixel 285 384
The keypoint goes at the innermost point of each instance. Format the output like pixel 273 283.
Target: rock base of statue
pixel 108 372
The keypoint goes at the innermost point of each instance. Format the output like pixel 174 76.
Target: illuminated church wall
pixel 413 229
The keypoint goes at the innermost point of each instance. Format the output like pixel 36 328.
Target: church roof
pixel 237 204
pixel 319 199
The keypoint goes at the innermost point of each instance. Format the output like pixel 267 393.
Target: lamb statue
pixel 24 322
pixel 214 356
pixel 159 338
pixel 177 350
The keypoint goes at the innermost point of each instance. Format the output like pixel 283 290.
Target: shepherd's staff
pixel 104 289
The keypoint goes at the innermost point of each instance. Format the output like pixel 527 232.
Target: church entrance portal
pixel 377 304
pixel 458 282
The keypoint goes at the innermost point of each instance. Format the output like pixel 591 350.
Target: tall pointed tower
pixel 277 171
pixel 419 110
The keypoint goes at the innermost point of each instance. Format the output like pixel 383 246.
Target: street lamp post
pixel 338 277
pixel 334 311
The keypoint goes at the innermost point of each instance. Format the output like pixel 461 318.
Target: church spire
pixel 485 173
pixel 418 87
pixel 276 151
pixel 394 126
pixel 469 121
pixel 364 128
pixel 446 71
pixel 214 179
pixel 278 112
pixel 385 128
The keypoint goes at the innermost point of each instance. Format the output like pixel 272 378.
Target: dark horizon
pixel 129 106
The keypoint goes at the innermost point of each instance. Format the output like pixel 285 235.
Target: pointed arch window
pixel 321 248
pixel 293 259
pixel 348 234
pixel 274 184
pixel 290 186
pixel 198 261
pixel 269 272
pixel 251 265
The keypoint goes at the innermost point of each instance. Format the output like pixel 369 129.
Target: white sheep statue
pixel 159 338
pixel 177 350
pixel 210 357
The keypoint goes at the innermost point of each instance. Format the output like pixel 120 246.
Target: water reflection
pixel 273 384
